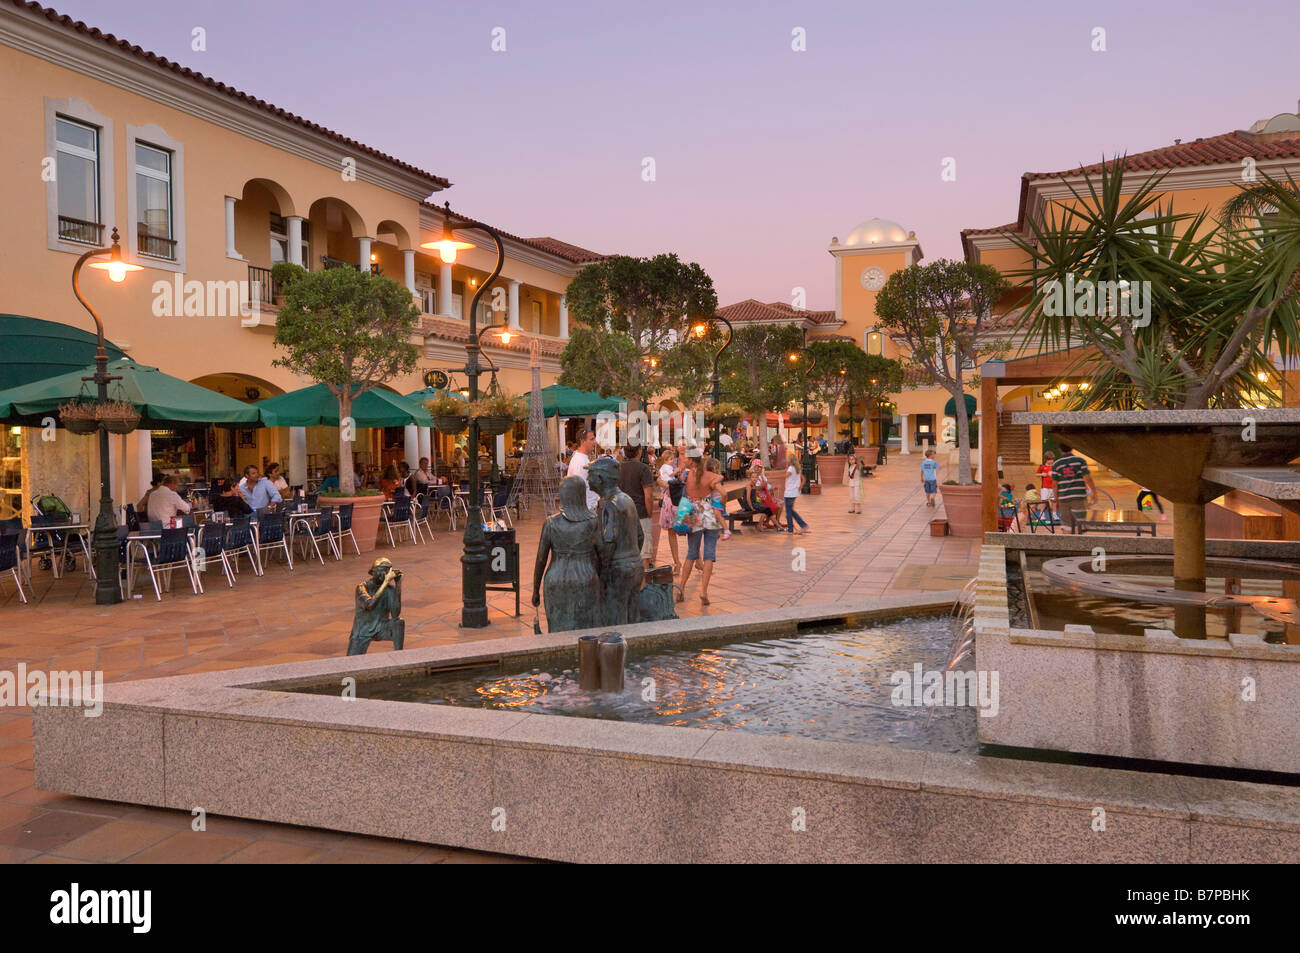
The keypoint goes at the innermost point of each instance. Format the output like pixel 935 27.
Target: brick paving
pixel 306 614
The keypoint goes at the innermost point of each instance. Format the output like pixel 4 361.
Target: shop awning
pixel 950 408
pixel 32 349
pixel 316 406
pixel 571 402
pixel 159 398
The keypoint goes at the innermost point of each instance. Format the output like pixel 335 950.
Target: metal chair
pixel 169 552
pixel 444 502
pixel 241 541
pixel 9 561
pixel 271 535
pixel 500 507
pixel 402 517
pixel 344 528
pixel 212 546
pixel 323 528
pixel 420 513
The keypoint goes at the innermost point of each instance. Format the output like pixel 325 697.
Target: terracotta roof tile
pixel 816 317
pixel 1217 150
pixel 436 182
pixel 551 246
pixel 449 329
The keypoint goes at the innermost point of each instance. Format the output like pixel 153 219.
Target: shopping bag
pixel 685 517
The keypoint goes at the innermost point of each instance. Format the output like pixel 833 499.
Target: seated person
pixel 164 502
pixel 389 481
pixel 331 481
pixel 225 498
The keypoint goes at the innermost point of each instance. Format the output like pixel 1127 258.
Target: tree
pixel 632 314
pixel 879 377
pixel 755 374
pixel 1181 311
pixel 350 330
pixel 940 312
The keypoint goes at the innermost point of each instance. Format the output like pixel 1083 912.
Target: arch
pixel 279 194
pixel 236 384
pixel 336 212
pixel 401 237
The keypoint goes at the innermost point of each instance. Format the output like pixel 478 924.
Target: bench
pixel 743 516
pixel 1243 515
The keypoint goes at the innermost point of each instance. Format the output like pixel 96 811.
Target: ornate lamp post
pixel 473 613
pixel 105 536
pixel 700 329
pixel 809 465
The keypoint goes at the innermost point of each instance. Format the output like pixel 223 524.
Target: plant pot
pixel 938 527
pixel 366 512
pixel 831 467
pixel 447 423
pixel 962 505
pixel 492 426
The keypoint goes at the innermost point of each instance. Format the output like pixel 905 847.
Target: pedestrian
pixel 793 481
pixel 1072 483
pixel 1146 499
pixel 930 476
pixel 666 479
pixel 855 484
pixel 579 462
pixel 702 541
pixel 636 480
pixel 1045 477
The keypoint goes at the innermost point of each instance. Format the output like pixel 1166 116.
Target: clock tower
pixel 873 251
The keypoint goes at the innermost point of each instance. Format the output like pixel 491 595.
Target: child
pixel 855 484
pixel 1007 495
pixel 930 477
pixel 1145 500
pixel 713 466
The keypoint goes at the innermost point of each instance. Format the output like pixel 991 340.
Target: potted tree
pixel 351 331
pixel 941 313
pixel 283 274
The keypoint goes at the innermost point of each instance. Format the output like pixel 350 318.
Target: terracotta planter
pixel 962 507
pixel 365 517
pixel 831 468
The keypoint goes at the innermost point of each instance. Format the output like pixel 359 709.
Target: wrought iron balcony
pixel 261 288
pixel 76 230
pixel 155 246
pixel 328 262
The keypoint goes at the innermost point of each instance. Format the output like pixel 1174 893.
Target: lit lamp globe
pixel 447 245
pixel 116 266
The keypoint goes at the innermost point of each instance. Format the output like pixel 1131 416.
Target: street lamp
pixel 809 465
pixel 106 591
pixel 701 328
pixel 473 585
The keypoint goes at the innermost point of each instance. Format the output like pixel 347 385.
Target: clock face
pixel 873 278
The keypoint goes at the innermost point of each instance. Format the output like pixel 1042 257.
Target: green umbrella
pixel 316 406
pixel 571 402
pixel 429 393
pixel 35 349
pixel 950 408
pixel 159 398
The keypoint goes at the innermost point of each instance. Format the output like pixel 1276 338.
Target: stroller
pixel 51 508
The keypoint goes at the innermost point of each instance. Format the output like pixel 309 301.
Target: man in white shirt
pixel 579 462
pixel 165 502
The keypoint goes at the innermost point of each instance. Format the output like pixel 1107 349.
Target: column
pixel 143 461
pixel 514 304
pixel 116 473
pixel 363 253
pixel 411 445
pixel 294 224
pixel 408 268
pixel 904 434
pixel 501 451
pixel 426 444
pixel 297 456
pixel 564 316
pixel 444 290
pixel 989 453
pixel 230 229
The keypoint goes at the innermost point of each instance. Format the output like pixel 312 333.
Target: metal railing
pixel 155 246
pixel 328 262
pixel 77 230
pixel 261 285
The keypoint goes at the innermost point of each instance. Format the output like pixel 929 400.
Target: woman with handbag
pixel 666 478
pixel 697 512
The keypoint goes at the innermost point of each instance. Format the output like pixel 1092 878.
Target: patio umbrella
pixel 316 406
pixel 950 408
pixel 35 349
pixel 159 398
pixel 558 400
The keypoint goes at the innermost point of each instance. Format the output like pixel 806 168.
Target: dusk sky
pixel 761 153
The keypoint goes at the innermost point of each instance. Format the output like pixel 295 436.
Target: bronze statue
pixel 570 542
pixel 378 605
pixel 621 537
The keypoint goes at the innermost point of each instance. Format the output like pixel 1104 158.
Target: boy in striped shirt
pixel 1073 484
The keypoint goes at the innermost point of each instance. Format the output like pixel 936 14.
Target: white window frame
pixel 79 111
pixel 155 137
pixel 164 177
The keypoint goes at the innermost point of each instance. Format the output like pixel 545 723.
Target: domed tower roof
pixel 876 231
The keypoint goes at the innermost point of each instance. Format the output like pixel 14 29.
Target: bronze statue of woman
pixel 569 541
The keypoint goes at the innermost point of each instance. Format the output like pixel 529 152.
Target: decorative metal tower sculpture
pixel 538 482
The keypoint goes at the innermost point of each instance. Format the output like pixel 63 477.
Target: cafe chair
pixel 171 551
pixel 9 562
pixel 271 535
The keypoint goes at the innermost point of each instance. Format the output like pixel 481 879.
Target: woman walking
pixel 702 543
pixel 855 484
pixel 793 481
pixel 666 474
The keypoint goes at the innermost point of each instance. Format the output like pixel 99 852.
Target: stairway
pixel 1013 440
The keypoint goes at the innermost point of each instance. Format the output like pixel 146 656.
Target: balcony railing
pixel 328 262
pixel 155 246
pixel 261 289
pixel 77 230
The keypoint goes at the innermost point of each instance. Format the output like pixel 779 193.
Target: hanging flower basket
pixel 117 416
pixel 795 417
pixel 493 425
pixel 79 416
pixel 814 418
pixel 496 412
pixel 450 423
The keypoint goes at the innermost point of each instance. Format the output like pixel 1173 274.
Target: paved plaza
pixel 306 614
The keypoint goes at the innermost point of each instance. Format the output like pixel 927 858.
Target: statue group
pixel 589 564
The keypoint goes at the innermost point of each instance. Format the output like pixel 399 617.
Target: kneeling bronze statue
pixel 378 605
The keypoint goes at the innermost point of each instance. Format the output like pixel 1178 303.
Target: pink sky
pixel 762 153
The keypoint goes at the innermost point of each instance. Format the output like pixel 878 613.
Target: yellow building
pixel 209 188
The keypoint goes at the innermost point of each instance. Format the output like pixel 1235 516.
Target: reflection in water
pixel 831 685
